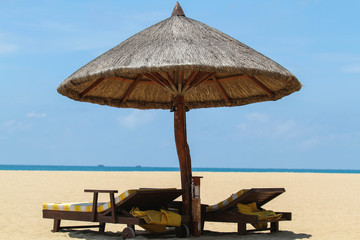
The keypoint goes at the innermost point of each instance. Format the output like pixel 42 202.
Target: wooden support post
pixel 242 228
pixel 91 87
pixel 190 79
pixel 56 227
pixel 202 225
pixel 203 79
pixel 221 89
pixel 131 88
pixel 274 226
pixel 160 82
pixel 94 210
pixel 196 207
pixel 112 202
pixel 102 227
pixel 171 82
pixel 183 153
pixel 180 81
pixel 261 85
pixel 131 226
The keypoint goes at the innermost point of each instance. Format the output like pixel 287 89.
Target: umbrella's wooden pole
pixel 183 153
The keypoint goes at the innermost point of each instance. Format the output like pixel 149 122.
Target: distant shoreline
pixel 138 168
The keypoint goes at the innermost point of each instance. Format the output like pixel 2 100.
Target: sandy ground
pixel 324 206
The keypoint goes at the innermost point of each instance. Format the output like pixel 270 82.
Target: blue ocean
pixel 102 168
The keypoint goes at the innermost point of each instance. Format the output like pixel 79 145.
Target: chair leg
pixel 202 226
pixel 131 226
pixel 102 227
pixel 241 228
pixel 274 226
pixel 56 227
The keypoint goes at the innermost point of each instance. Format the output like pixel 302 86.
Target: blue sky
pixel 43 42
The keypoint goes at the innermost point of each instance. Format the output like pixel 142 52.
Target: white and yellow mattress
pixel 86 206
pixel 226 201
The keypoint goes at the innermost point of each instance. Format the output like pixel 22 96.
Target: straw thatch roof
pixel 179 56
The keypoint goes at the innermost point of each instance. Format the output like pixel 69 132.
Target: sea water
pixel 103 168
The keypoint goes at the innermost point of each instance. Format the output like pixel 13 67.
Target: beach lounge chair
pixel 228 210
pixel 117 210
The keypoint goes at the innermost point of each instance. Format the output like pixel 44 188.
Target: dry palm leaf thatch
pixel 179 56
pixel 179 63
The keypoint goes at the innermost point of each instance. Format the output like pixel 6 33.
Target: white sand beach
pixel 324 206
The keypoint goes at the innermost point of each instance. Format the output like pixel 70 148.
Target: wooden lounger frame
pixel 230 213
pixel 153 199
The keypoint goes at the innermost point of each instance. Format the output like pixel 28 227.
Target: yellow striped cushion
pixel 86 207
pixel 226 201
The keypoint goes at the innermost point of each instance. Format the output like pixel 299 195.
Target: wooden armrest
pixel 285 215
pixel 100 191
pixel 95 202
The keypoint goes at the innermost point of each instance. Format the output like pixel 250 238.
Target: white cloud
pixel 350 62
pixel 258 117
pixel 286 129
pixel 352 69
pixel 6 48
pixel 326 140
pixel 13 125
pixel 337 57
pixel 135 119
pixel 262 125
pixel 311 142
pixel 35 115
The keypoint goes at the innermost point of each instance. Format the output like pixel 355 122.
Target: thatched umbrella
pixel 180 64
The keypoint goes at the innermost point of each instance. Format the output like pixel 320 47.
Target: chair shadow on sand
pixel 94 235
pixel 288 235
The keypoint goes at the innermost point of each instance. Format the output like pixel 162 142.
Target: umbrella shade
pixel 176 64
pixel 215 70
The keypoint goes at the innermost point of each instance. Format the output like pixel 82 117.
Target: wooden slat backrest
pixel 148 199
pixel 259 195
